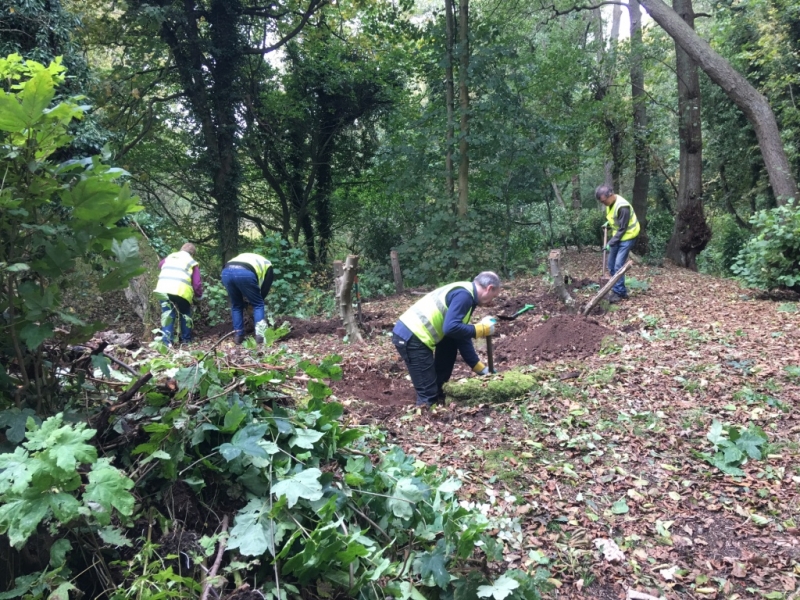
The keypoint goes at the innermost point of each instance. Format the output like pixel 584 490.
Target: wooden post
pixel 617 276
pixel 558 278
pixel 346 299
pixel 338 272
pixel 398 274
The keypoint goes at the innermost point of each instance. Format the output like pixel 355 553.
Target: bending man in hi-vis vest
pixel 624 228
pixel 248 277
pixel 431 332
pixel 178 284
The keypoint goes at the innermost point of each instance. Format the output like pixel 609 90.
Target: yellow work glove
pixel 480 369
pixel 485 327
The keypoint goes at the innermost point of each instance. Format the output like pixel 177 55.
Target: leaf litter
pixel 610 444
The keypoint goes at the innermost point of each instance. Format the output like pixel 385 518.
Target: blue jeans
pixel 242 284
pixel 184 309
pixel 617 257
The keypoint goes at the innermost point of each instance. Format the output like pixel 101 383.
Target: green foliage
pixel 733 446
pixel 215 298
pixel 727 241
pixel 40 482
pixel 52 215
pixel 771 259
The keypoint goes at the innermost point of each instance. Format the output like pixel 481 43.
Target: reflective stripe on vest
pixel 633 223
pixel 426 317
pixel 176 276
pixel 260 264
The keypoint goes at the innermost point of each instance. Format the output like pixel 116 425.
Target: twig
pixel 223 541
pixel 117 361
pixel 214 345
pixel 129 393
pixel 371 522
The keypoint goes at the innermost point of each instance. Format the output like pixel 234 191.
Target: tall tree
pixel 641 179
pixel 690 233
pixel 463 93
pixel 208 45
pixel 449 187
pixel 751 102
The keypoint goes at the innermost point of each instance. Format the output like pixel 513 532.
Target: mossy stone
pixel 503 387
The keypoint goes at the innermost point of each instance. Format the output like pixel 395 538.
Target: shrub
pixel 728 239
pixel 52 215
pixel 771 259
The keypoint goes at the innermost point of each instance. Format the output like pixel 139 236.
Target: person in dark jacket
pixel 248 277
pixel 624 228
pixel 430 334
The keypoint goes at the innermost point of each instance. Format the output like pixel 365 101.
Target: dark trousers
pixel 429 370
pixel 184 310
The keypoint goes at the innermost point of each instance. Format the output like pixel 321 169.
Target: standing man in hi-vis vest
pixel 248 277
pixel 181 283
pixel 430 333
pixel 624 228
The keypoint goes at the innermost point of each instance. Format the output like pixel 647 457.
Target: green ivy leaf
pixel 303 485
pixel 113 536
pixel 108 488
pixel 15 474
pixel 502 587
pixel 305 438
pixel 620 507
pixel 33 335
pixel 433 563
pixel 58 552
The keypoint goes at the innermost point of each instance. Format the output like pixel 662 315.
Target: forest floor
pixel 608 443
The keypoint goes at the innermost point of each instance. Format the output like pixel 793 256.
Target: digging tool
pixel 524 309
pixel 490 353
pixel 603 277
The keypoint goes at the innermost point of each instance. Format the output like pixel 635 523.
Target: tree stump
pixel 398 274
pixel 558 278
pixel 344 295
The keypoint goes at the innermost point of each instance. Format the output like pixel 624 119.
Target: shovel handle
pixel 490 353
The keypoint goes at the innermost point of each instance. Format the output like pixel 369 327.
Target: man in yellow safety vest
pixel 430 334
pixel 624 228
pixel 248 277
pixel 178 284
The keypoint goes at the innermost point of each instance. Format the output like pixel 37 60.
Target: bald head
pixel 189 247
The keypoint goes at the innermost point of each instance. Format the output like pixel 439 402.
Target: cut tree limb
pixel 398 274
pixel 558 278
pixel 605 289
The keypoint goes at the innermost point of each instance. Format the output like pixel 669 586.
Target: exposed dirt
pixel 561 336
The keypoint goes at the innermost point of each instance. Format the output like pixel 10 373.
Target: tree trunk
pixel 690 233
pixel 576 191
pixel 449 187
pixel 641 180
pixel 557 274
pixel 346 299
pixel 463 145
pixel 738 89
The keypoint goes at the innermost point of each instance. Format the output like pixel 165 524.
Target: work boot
pixel 261 329
pixel 613 298
pixel 238 339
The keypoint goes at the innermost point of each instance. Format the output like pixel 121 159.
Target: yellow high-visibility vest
pixel 633 223
pixel 176 276
pixel 260 264
pixel 426 317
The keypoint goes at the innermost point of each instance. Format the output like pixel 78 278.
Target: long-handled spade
pixel 603 276
pixel 524 309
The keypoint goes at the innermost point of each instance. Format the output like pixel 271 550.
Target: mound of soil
pixel 561 336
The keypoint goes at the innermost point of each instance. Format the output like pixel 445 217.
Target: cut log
pixel 346 311
pixel 558 278
pixel 398 274
pixel 607 287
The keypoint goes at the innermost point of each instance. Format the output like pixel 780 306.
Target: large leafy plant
pixel 771 259
pixel 55 210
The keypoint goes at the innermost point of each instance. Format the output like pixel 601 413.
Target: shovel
pixel 603 277
pixel 524 309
